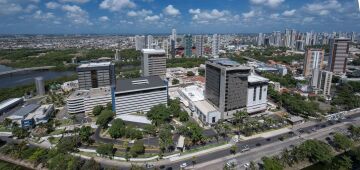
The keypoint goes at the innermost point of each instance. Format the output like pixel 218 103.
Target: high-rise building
pixel 165 46
pixel 40 87
pixel 314 59
pixel 257 93
pixel 226 86
pixel 153 62
pixel 339 52
pixel 321 82
pixel 139 42
pixel 261 39
pixel 174 36
pixel 187 45
pixel 94 75
pixel 293 38
pixel 353 37
pixel 299 45
pixel 215 45
pixel 150 41
pixel 308 38
pixel 117 55
pixel 287 38
pixel 199 45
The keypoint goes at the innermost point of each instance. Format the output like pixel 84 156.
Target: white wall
pixel 257 105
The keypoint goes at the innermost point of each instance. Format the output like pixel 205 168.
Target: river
pixel 28 78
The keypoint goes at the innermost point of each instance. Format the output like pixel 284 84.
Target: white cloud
pixel 52 5
pixel 75 1
pixel 274 16
pixel 76 15
pixel 30 8
pixel 171 10
pixel 270 3
pixel 43 16
pixel 116 5
pixel 104 19
pixel 141 13
pixel 194 11
pixel 289 13
pixel 324 7
pixel 249 14
pixel 152 18
pixel 8 8
pixel 206 16
pixel 308 19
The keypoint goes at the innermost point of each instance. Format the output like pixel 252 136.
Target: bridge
pixel 24 70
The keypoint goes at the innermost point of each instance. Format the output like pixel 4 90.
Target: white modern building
pixel 85 100
pixel 215 45
pixel 70 85
pixel 321 82
pixel 40 115
pixel 8 104
pixel 139 94
pixel 193 97
pixel 257 94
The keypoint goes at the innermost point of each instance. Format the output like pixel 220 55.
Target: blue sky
pixel 187 16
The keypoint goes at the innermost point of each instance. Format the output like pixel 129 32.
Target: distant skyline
pixel 187 16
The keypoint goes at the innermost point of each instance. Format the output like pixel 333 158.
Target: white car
pixel 247 165
pixel 183 165
pixel 232 163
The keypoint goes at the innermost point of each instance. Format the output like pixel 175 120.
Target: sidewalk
pixel 206 151
pixel 266 134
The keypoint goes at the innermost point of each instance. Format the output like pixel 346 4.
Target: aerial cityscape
pixel 203 85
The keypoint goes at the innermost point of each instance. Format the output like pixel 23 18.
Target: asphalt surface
pixel 259 142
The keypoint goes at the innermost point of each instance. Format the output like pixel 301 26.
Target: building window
pixel 254 97
pixel 213 119
pixel 260 95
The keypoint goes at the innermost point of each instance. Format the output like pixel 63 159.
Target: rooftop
pixel 225 62
pixel 153 51
pixel 194 93
pixel 90 65
pixel 253 78
pixel 8 102
pixel 94 92
pixel 124 85
pixel 39 112
pixel 204 106
pixel 25 110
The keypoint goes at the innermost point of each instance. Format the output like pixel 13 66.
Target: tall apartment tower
pixel 139 42
pixel 94 75
pixel 261 39
pixel 174 36
pixel 314 59
pixel 40 87
pixel 187 45
pixel 150 41
pixel 321 81
pixel 199 45
pixel 339 52
pixel 153 62
pixel 287 38
pixel 215 45
pixel 226 86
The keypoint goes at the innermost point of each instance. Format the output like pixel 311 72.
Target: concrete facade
pixel 339 52
pixel 153 62
pixel 314 59
pixel 94 75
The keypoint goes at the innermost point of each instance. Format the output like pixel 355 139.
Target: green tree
pixel 193 131
pixel 342 142
pixel 97 110
pixel 104 118
pixel 159 114
pixel 354 132
pixel 19 132
pixel 7 122
pixel 175 81
pixel 137 149
pixel 108 106
pixel 59 162
pixel 68 144
pixel 150 129
pixel 315 150
pixel 342 163
pixel 91 165
pixel 174 107
pixel 105 149
pixel 117 129
pixel 84 133
pixel 190 73
pixel 165 137
pixel 271 164
pixel 183 116
pixel 233 149
pixel 201 72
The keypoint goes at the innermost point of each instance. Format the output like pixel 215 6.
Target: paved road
pixel 310 131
